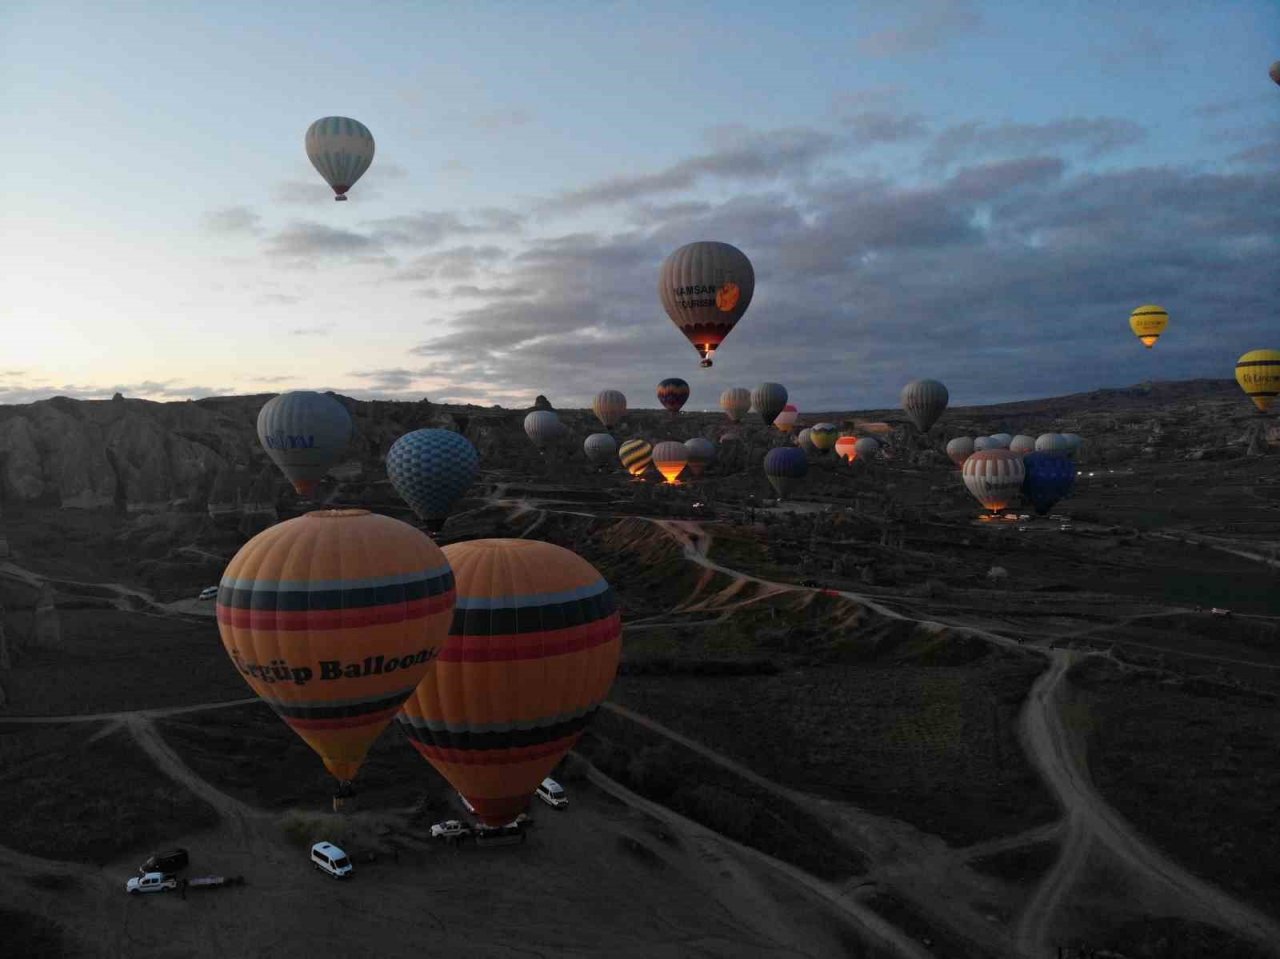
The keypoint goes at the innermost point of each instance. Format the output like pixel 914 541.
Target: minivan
pixel 550 793
pixel 327 857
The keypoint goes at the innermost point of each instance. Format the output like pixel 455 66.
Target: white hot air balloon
pixel 924 401
pixel 341 150
pixel 1022 443
pixel 994 477
pixel 1001 440
pixel 601 449
pixel 610 406
pixel 984 443
pixel 960 449
pixel 735 401
pixel 805 443
pixel 544 427
pixel 1053 443
pixel 866 448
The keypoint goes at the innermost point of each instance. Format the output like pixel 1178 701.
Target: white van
pixel 551 794
pixel 327 857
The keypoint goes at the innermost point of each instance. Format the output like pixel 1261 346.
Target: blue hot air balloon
pixel 784 466
pixel 1049 477
pixel 430 469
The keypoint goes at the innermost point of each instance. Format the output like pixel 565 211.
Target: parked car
pixel 169 861
pixel 150 882
pixel 450 829
pixel 551 793
pixel 1219 611
pixel 209 592
pixel 512 832
pixel 328 858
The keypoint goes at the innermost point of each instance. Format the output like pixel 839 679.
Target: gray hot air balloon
pixel 1001 440
pixel 985 443
pixel 960 449
pixel 1022 443
pixel 705 287
pixel 866 448
pixel 804 441
pixel 768 399
pixel 610 406
pixel 735 401
pixel 702 452
pixel 1053 443
pixel 304 433
pixel 924 401
pixel 601 449
pixel 341 150
pixel 543 427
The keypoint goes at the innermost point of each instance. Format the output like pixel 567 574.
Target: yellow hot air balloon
pixel 1258 373
pixel 636 455
pixel 333 618
pixel 671 458
pixel 1148 322
pixel 531 655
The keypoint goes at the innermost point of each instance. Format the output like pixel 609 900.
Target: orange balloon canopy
pixel 531 655
pixel 333 618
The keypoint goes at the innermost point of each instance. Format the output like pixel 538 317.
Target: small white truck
pixel 151 882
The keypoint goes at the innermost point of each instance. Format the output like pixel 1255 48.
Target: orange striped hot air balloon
pixel 333 618
pixel 531 655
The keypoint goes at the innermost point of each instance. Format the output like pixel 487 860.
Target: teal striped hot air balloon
pixel 341 150
pixel 304 433
pixel 768 399
pixel 431 469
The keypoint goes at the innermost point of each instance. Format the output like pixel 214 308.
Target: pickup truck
pixel 151 882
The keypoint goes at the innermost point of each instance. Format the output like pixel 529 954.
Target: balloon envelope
pixel 1001 440
pixel 341 150
pixel 784 466
pixel 735 401
pixel 1148 322
pixel 768 399
pixel 866 447
pixel 1022 443
pixel 431 469
pixel 601 448
pixel 702 452
pixel 960 449
pixel 333 618
pixel 1049 477
pixel 1258 374
pixel 670 457
pixel 786 420
pixel 846 448
pixel 1053 443
pixel 304 433
pixel 609 406
pixel 672 393
pixel 636 455
pixel 994 477
pixel 543 427
pixel 824 436
pixel 531 654
pixel 924 401
pixel 1274 72
pixel 706 287
pixel 804 440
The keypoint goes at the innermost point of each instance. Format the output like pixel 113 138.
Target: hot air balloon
pixel 544 427
pixel 670 457
pixel 1148 322
pixel 735 401
pixel 304 433
pixel 1274 72
pixel 702 452
pixel 768 399
pixel 1001 440
pixel 1053 443
pixel 340 149
pixel 1074 442
pixel 924 401
pixel 866 448
pixel 804 440
pixel 672 393
pixel 1258 373
pixel 960 449
pixel 530 657
pixel 784 466
pixel 636 455
pixel 846 448
pixel 705 288
pixel 1022 443
pixel 601 448
pixel 985 443
pixel 824 436
pixel 610 406
pixel 430 469
pixel 333 618
pixel 994 477
pixel 786 420
pixel 1049 477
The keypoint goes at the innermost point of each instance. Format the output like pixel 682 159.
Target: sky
pixel 974 192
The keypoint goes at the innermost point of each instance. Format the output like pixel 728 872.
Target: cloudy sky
pixel 977 192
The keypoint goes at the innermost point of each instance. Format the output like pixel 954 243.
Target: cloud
pixel 310 330
pixel 309 192
pixel 455 263
pixel 279 299
pixel 305 244
pixel 1092 136
pixel 430 228
pixel 232 220
pixel 930 24
pixel 745 157
pixel 146 389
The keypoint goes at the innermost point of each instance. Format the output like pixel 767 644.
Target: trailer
pixel 214 882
